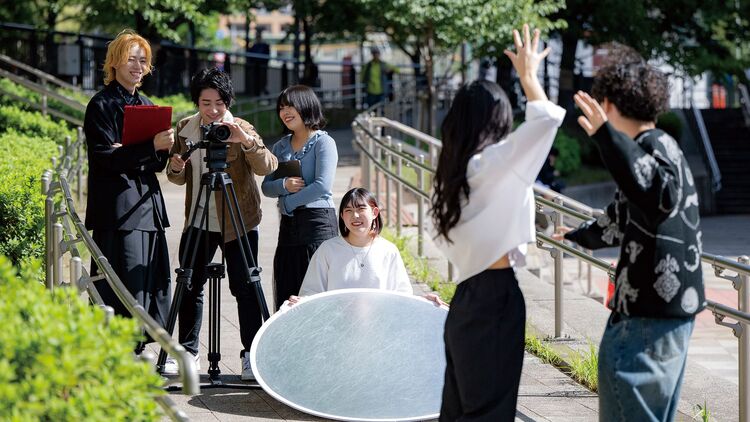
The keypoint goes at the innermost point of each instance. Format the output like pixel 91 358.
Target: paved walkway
pixel 545 394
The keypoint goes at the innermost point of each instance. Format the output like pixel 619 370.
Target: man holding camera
pixel 211 91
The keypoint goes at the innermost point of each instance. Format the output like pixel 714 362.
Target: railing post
pixel 57 262
pixel 389 163
pixel 44 97
pixel 79 167
pixel 399 187
pixel 420 210
pixel 76 272
pixel 744 342
pixel 377 152
pixel 558 257
pixel 49 204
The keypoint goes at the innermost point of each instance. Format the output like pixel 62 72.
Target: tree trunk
pixel 567 66
pixel 50 49
pixel 295 53
pixel 430 70
pixel 505 79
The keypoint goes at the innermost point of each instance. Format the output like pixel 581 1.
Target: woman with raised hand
pixel 483 215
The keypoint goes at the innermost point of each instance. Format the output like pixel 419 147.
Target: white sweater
pixel 498 219
pixel 338 265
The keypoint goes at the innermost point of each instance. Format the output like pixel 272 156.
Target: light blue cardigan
pixel 318 159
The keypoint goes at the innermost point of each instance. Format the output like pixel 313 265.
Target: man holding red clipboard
pixel 125 208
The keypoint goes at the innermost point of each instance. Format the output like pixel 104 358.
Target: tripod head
pixel 214 140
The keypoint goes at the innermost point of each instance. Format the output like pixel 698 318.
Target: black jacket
pixel 654 218
pixel 123 191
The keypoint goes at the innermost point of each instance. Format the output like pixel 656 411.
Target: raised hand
pixel 593 114
pixel 526 60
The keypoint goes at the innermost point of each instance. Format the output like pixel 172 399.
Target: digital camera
pixel 215 132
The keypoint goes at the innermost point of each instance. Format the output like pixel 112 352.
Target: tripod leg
pixel 184 274
pixel 215 274
pixel 252 271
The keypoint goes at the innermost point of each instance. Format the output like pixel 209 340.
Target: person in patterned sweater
pixel 654 219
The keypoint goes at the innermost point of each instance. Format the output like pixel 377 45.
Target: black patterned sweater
pixel 654 219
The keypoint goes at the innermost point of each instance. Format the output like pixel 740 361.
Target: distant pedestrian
pixel 654 219
pixel 375 76
pixel 482 209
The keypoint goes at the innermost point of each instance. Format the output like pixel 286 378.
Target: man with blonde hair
pixel 125 208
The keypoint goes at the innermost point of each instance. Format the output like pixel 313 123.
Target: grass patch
pixel 582 367
pixel 419 268
pixel 702 413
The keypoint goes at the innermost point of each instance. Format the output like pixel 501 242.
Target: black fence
pixel 78 59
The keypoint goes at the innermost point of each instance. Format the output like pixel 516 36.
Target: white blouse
pixel 338 265
pixel 498 218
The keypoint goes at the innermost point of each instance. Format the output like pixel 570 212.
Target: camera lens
pixel 221 132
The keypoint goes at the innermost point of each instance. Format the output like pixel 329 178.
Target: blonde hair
pixel 118 51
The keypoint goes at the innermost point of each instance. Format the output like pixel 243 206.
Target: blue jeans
pixel 641 364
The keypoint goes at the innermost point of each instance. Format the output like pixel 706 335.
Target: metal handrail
pixel 39 74
pixel 708 148
pixel 63 236
pixel 41 89
pixel 372 148
pixel 745 103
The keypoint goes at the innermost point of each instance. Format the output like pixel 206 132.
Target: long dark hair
pixel 480 115
pixel 356 198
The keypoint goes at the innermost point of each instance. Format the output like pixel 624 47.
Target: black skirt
pixel 300 236
pixel 141 260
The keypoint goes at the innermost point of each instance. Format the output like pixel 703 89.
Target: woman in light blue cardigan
pixel 308 215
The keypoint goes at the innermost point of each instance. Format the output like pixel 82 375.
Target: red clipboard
pixel 141 123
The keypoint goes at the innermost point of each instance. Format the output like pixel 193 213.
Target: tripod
pixel 214 180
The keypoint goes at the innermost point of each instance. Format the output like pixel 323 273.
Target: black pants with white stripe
pixel 484 346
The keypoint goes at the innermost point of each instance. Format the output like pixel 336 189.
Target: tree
pixel 424 29
pixel 692 35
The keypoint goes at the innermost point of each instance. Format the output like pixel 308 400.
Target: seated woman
pixel 359 257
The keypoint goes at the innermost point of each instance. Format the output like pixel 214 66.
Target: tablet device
pixel 291 168
pixel 141 123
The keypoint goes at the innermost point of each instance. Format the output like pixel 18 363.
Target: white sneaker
pixel 171 367
pixel 247 370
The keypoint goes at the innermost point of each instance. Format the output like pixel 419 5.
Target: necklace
pixel 356 256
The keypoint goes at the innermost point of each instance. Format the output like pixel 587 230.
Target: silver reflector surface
pixel 355 354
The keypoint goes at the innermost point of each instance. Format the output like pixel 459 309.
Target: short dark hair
pixel 359 197
pixel 636 88
pixel 307 104
pixel 212 78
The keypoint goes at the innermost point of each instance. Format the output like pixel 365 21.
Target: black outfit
pixel 484 337
pixel 191 307
pixel 655 219
pixel 125 208
pixel 300 236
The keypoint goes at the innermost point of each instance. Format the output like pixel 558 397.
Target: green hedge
pixel 22 161
pixel 569 160
pixel 33 124
pixel 60 360
pixel 669 122
pixel 8 85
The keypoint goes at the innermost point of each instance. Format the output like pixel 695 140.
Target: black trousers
pixel 484 344
pixel 141 261
pixel 299 237
pixel 191 308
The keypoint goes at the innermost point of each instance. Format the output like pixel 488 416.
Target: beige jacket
pixel 242 166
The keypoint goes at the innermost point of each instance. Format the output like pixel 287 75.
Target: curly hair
pixel 480 115
pixel 636 88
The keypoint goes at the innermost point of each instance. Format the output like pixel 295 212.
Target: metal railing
pixel 713 165
pixel 46 87
pixel 745 103
pixel 386 156
pixel 65 232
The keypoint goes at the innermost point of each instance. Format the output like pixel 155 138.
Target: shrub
pixel 181 105
pixel 61 361
pixel 21 91
pixel 33 124
pixel 669 122
pixel 22 161
pixel 569 160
